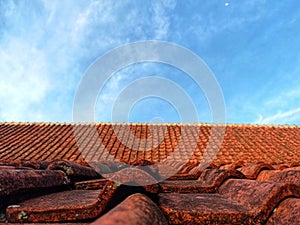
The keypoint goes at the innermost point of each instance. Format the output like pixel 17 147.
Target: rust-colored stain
pixel 44 178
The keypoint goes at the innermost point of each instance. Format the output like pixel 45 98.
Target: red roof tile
pixel 136 177
pixel 201 209
pixel 90 184
pixel 134 210
pixel 74 170
pixel 62 206
pixel 291 176
pixel 16 180
pixel 208 182
pixel 286 213
pixel 251 170
pixel 260 197
pixel 238 202
pixel 56 207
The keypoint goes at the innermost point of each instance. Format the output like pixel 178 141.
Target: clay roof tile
pixel 251 170
pixel 73 170
pixel 63 206
pixel 134 210
pixel 286 213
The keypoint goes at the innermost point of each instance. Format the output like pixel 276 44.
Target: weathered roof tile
pixel 135 210
pixel 62 206
pixel 73 170
pixel 251 170
pixel 260 197
pixel 90 184
pixel 288 212
pixel 208 182
pixel 15 181
pixel 291 176
pixel 201 209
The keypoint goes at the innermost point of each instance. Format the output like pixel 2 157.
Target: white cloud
pixel 275 104
pixel 24 79
pixel 290 116
pixel 44 51
pixel 161 18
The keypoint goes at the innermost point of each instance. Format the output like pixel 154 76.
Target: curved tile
pixel 288 212
pixel 260 197
pixel 251 170
pixel 208 182
pixel 134 210
pixel 70 205
pixel 201 209
pixel 290 176
pixel 73 170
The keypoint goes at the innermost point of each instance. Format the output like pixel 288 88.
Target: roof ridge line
pixel 154 124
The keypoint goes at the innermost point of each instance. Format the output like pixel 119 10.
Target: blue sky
pixel 252 47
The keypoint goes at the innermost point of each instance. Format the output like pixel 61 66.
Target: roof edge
pixel 153 124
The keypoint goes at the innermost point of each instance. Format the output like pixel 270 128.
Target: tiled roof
pixel 50 141
pixel 254 178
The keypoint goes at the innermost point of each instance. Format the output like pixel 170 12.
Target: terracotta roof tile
pixel 281 166
pixel 136 177
pixel 291 176
pixel 251 170
pixel 15 181
pixel 187 176
pixel 286 213
pixel 260 197
pixel 215 177
pixel 90 184
pixel 56 207
pixel 233 166
pixel 7 167
pixel 238 202
pixel 62 206
pixel 66 223
pixel 201 209
pixel 73 170
pixel 134 210
pixel 201 167
pixel 208 182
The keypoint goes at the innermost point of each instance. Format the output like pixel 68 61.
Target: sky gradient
pixel 251 46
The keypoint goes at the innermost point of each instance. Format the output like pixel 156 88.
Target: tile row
pixel 127 143
pixel 64 192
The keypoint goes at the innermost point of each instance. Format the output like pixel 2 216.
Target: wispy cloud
pixel 45 49
pixel 24 81
pixel 277 102
pixel 286 117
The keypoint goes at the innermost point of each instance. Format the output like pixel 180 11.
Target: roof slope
pixel 50 141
